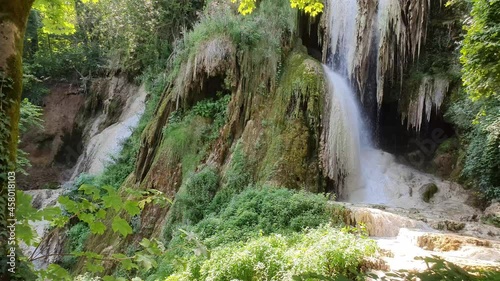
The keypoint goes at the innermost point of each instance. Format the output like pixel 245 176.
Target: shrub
pixel 479 123
pixel 248 215
pixel 197 194
pixel 76 237
pixel 33 88
pixel 325 251
pixel 262 211
pixel 477 112
pixel 236 178
pixel 480 48
pixel 30 119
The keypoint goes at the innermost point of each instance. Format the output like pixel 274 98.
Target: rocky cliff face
pixel 54 149
pixel 73 122
pixel 273 118
pixel 82 130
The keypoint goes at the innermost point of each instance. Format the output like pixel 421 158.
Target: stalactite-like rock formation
pixel 402 28
pixel 212 58
pixel 430 94
pixel 391 30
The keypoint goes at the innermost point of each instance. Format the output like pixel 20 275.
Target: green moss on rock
pixel 289 142
pixel 428 191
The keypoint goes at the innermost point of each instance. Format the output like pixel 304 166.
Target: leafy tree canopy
pixel 481 49
pixel 312 7
pixel 58 16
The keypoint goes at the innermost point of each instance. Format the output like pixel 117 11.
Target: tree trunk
pixel 13 18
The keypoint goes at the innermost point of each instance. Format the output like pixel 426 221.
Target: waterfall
pixel 97 154
pixel 343 35
pixel 344 126
pixel 389 33
pixel 104 145
pixel 361 173
pixel 342 134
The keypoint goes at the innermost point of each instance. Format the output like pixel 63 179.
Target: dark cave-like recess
pixel 309 33
pixel 212 86
pixel 415 148
pixel 71 148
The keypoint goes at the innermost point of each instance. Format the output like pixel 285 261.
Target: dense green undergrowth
pixel 324 251
pixel 476 110
pixel 212 209
pixel 262 231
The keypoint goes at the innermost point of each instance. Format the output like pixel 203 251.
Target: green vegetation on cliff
pixel 476 110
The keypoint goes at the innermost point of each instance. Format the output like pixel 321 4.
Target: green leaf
pixel 145 201
pixel 101 214
pixel 92 255
pixel 78 253
pixel 147 261
pixel 94 266
pixel 90 190
pixel 112 199
pixel 25 233
pixel 70 205
pixel 60 221
pixel 119 256
pixel 24 209
pixel 97 227
pixel 111 278
pixel 128 264
pixel 50 213
pixel 125 261
pixel 120 225
pixel 87 205
pixel 56 272
pixel 86 217
pixel 146 243
pixel 132 208
pixel 154 248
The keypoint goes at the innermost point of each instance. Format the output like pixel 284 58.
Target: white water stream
pixel 363 173
pixel 107 143
pixel 383 194
pixel 98 152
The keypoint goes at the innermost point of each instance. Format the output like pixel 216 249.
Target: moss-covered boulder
pixel 427 191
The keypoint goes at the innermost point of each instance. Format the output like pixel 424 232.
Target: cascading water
pixel 355 166
pixel 108 143
pixel 345 134
pixel 99 151
pixel 362 173
pixel 343 34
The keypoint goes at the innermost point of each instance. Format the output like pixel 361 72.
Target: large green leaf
pixel 121 226
pixel 112 199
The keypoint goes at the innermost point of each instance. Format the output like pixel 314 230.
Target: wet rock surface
pixel 404 234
